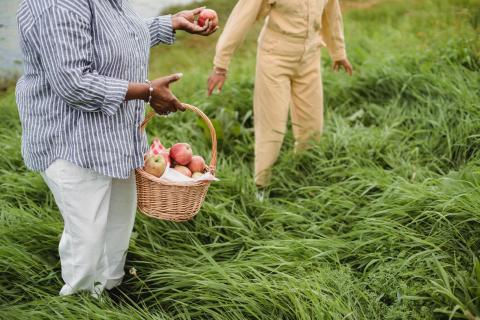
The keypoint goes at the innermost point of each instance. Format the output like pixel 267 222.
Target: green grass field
pixel 381 220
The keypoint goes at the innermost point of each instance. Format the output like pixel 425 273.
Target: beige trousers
pixel 288 78
pixel 98 214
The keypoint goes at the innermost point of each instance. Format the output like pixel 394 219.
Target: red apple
pixel 181 153
pixel 183 170
pixel 197 164
pixel 208 14
pixel 156 165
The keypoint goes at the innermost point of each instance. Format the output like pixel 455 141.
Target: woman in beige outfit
pixel 288 68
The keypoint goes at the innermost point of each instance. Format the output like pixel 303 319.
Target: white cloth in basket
pixel 172 175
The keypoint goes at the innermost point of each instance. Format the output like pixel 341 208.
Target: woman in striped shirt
pixel 81 100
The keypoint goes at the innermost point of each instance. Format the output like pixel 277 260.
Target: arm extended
pixel 240 21
pixel 161 30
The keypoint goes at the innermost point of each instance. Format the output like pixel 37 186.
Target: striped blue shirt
pixel 79 57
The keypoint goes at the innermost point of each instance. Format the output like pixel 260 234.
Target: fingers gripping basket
pixel 174 201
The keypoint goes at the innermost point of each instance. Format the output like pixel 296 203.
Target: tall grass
pixel 380 220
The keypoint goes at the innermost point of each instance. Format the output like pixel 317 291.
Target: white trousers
pixel 98 214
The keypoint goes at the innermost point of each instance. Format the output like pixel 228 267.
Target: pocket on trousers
pixel 53 171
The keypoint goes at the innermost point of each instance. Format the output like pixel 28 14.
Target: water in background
pixel 10 57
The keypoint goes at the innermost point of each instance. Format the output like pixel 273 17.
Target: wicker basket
pixel 170 200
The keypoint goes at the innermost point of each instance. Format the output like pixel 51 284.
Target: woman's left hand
pixel 345 64
pixel 185 20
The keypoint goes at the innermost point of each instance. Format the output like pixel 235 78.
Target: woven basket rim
pixel 168 183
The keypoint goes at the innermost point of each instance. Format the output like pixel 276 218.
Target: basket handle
pixel 213 134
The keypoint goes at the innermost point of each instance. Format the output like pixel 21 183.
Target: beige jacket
pixel 319 22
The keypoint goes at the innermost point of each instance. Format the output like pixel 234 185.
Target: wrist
pixel 175 23
pixel 138 91
pixel 148 91
pixel 220 71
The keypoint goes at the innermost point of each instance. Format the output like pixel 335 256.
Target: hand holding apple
pixel 185 20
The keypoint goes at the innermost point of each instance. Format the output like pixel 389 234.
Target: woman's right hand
pixel 217 79
pixel 163 100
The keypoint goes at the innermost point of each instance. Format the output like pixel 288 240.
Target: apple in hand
pixel 156 165
pixel 208 14
pixel 183 170
pixel 181 153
